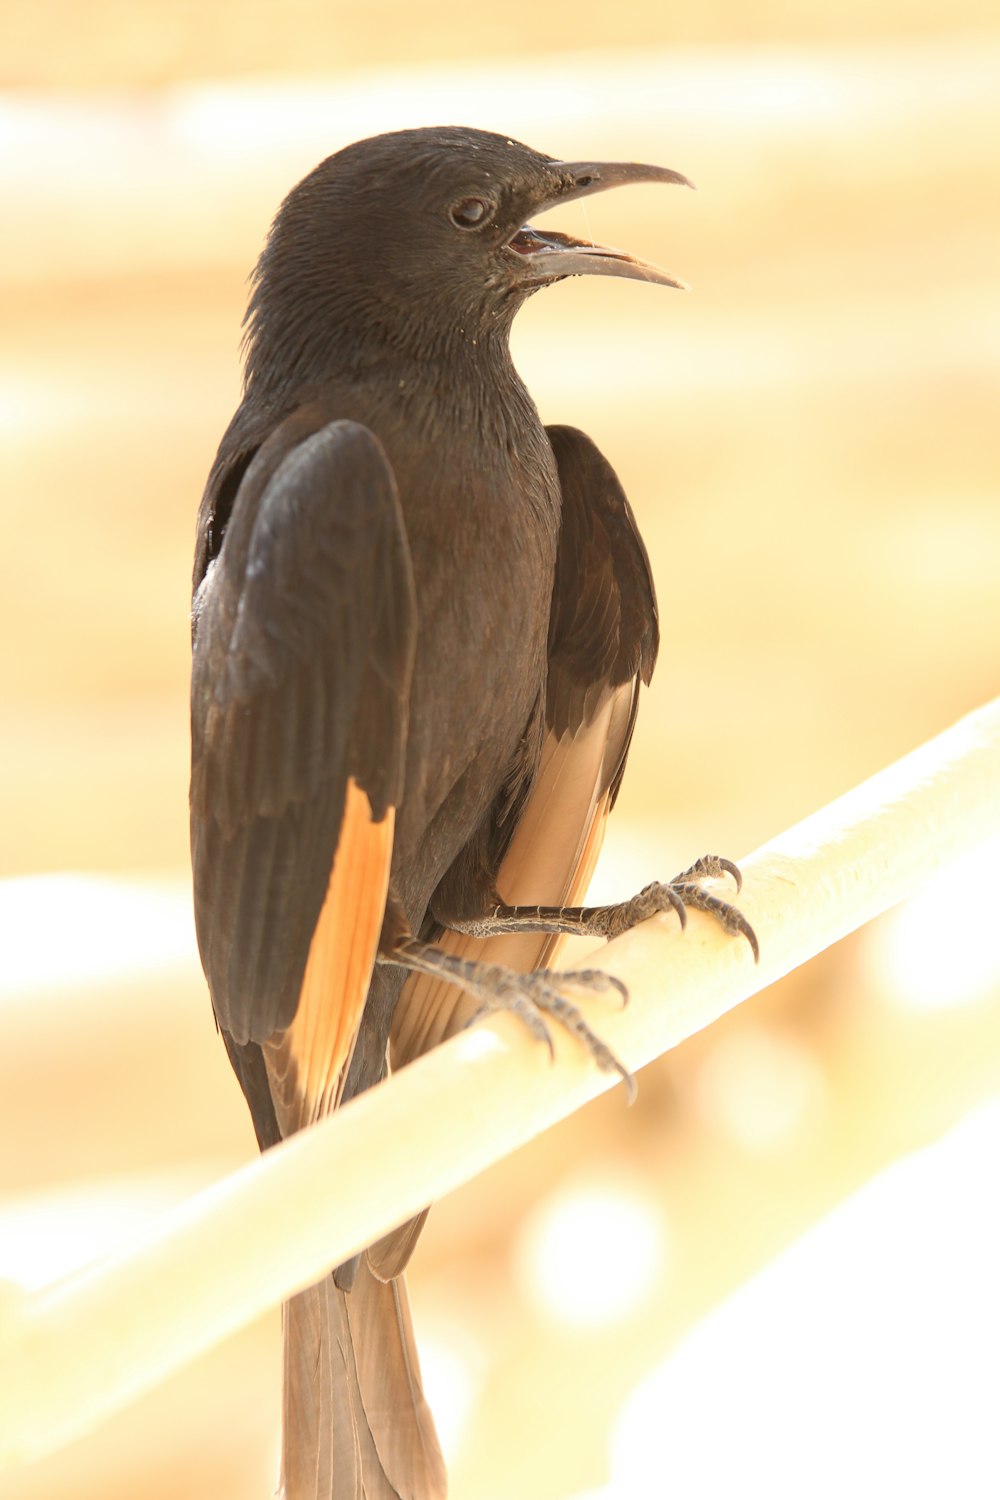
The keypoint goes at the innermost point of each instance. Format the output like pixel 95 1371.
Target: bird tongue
pixel 553 255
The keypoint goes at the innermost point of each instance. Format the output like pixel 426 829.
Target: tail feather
pixel 356 1425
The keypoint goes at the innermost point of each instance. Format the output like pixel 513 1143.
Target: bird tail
pixel 355 1422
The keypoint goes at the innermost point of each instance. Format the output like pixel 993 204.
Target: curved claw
pixel 602 1054
pixel 597 980
pixel 750 935
pixel 628 1079
pixel 711 867
pixel 730 917
pixel 677 902
pixel 613 983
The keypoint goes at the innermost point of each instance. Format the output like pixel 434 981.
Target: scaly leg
pixel 540 994
pixel 609 921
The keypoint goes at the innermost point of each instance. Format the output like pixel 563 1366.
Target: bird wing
pixel 603 640
pixel 303 644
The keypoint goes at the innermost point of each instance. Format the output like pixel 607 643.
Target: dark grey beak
pixel 550 256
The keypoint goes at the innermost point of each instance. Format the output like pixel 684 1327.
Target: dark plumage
pixel 420 624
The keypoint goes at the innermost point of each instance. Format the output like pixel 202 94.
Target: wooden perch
pixel 75 1353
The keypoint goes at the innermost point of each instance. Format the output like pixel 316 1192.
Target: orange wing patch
pixel 307 1063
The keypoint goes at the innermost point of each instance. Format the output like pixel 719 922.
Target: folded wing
pixel 303 644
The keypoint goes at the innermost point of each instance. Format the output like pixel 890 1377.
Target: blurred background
pixel 778 1268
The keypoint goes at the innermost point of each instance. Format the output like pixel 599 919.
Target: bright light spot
pixel 32 406
pixel 12 415
pixel 864 1360
pixel 451 1380
pixel 759 1086
pixel 589 1255
pixel 70 929
pixel 940 948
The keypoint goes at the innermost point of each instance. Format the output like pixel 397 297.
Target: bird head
pixel 419 235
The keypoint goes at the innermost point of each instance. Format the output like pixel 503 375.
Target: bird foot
pixel 682 893
pixel 679 894
pixel 543 996
pixel 536 998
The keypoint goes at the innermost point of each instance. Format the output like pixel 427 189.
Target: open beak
pixel 550 256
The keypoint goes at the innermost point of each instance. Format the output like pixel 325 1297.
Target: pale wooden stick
pixel 74 1354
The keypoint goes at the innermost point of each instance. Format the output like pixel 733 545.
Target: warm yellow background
pixel 810 440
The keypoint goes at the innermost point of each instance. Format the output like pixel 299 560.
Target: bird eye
pixel 468 213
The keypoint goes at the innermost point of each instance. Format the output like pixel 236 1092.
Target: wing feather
pixel 303 643
pixel 307 1062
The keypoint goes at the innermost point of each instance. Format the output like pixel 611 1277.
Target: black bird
pixel 420 623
